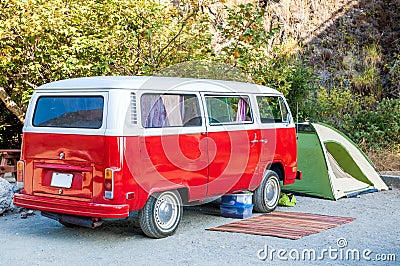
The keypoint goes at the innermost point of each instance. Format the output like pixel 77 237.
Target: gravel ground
pixel 37 240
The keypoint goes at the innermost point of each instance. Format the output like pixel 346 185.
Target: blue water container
pixel 240 212
pixel 241 199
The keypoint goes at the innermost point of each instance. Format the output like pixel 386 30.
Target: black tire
pixel 266 196
pixel 161 214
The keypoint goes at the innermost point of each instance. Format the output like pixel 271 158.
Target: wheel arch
pixel 277 167
pixel 146 195
pixel 184 193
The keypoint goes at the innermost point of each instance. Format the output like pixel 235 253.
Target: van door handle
pixel 263 140
pixel 254 141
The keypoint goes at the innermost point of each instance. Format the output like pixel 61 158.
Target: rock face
pixel 6 195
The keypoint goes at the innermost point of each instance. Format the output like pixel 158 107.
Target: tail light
pixel 109 183
pixel 20 174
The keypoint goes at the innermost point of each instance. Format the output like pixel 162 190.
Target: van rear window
pixel 69 112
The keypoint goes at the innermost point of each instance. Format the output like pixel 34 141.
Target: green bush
pixel 291 76
pixel 366 121
pixel 333 107
pixel 394 77
pixel 377 127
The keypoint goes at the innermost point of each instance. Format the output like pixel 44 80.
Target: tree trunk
pixel 11 105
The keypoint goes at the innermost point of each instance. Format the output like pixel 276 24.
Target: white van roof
pixel 156 83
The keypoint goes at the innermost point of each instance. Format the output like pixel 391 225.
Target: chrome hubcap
pixel 166 211
pixel 271 192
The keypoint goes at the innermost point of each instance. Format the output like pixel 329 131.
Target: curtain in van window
pixel 153 111
pixel 170 110
pixel 173 107
pixel 241 111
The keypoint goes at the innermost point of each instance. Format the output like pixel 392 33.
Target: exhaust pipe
pixel 72 219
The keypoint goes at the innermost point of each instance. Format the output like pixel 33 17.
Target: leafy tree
pixel 44 41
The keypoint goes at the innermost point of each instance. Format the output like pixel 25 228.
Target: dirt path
pixel 41 241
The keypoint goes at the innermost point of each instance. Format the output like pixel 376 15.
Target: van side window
pixel 228 109
pixel 170 110
pixel 69 112
pixel 272 109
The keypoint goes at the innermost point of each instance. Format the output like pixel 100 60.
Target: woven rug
pixel 292 225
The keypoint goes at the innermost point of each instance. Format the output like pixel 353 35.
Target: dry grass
pixel 385 160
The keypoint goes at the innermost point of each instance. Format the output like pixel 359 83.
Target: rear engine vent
pixel 133 109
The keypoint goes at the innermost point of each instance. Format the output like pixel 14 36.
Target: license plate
pixel 61 180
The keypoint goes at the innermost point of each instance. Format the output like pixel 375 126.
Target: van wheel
pixel 266 196
pixel 161 214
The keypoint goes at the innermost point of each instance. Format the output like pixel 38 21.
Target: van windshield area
pixel 69 112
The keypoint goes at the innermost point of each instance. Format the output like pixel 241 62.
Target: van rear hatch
pixel 64 144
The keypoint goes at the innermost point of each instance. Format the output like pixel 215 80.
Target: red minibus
pixel 111 147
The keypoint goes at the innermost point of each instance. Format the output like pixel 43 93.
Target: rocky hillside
pixel 360 49
pixel 352 44
pixel 354 47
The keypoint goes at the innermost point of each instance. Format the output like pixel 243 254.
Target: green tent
pixel 333 166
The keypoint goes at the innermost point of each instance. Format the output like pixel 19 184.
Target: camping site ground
pixel 374 235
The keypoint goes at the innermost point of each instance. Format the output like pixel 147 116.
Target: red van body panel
pixel 144 167
pixel 73 207
pixel 65 172
pixel 235 162
pixel 178 161
pixel 286 153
